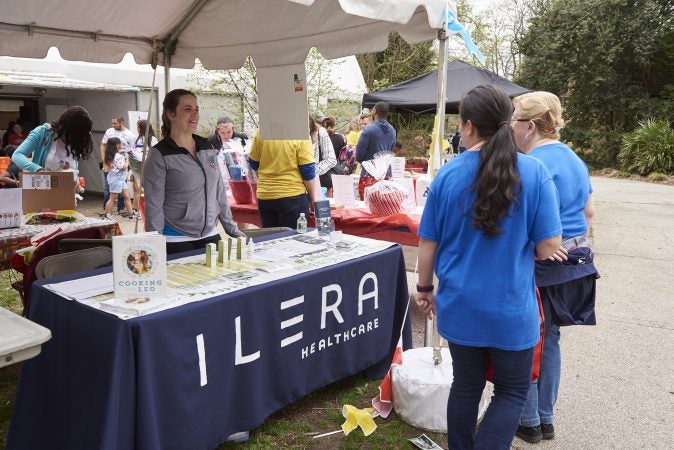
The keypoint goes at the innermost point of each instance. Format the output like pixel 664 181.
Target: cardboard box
pixel 47 191
pixel 11 214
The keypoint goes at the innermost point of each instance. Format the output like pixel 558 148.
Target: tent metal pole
pixel 146 142
pixel 167 71
pixel 441 100
pixel 431 336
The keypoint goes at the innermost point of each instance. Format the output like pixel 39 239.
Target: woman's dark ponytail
pixel 497 182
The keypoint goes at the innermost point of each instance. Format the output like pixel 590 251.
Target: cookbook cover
pixel 139 266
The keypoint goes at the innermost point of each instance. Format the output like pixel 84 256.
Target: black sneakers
pixel 530 434
pixel 534 434
pixel 548 431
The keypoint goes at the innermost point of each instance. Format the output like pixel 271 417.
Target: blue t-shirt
pixel 486 296
pixel 572 180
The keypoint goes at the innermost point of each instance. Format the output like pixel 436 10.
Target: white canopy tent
pixel 221 33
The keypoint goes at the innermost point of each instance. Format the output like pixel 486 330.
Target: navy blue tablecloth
pixel 106 383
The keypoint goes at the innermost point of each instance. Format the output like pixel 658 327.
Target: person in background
pixel 338 140
pixel 117 165
pixel 365 118
pixel 324 154
pixel 13 169
pixel 490 213
pixel 456 140
pixel 59 145
pixel 136 159
pixel 7 179
pixel 320 118
pixel 16 135
pixel 566 281
pixel 354 132
pixel 375 140
pixel 231 154
pixel 5 136
pixel 286 172
pixel 127 138
pixel 397 148
pixel 224 132
pixel 184 194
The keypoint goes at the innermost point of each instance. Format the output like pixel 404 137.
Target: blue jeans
pixel 512 378
pixel 283 212
pixel 543 394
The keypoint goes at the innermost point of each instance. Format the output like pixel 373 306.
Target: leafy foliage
pixel 608 60
pixel 399 62
pixel 648 149
pixel 242 83
pixel 497 31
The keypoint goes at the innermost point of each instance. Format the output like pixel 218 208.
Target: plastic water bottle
pixel 302 224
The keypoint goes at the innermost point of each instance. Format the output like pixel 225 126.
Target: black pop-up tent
pixel 420 94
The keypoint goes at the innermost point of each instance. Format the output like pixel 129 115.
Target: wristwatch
pixel 428 288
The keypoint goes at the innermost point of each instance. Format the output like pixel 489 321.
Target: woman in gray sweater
pixel 184 193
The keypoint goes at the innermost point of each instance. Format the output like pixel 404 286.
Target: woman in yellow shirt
pixel 286 171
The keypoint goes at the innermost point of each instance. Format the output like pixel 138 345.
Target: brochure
pixel 139 306
pixel 425 443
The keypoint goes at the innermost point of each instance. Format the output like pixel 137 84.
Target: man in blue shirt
pixel 375 140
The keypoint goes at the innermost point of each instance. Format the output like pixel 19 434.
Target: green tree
pixel 399 62
pixel 607 60
pixel 242 82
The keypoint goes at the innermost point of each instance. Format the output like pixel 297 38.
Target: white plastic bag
pixel 421 389
pixel 386 197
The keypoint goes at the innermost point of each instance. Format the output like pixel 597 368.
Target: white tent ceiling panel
pixel 221 33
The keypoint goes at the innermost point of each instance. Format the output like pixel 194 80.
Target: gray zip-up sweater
pixel 184 193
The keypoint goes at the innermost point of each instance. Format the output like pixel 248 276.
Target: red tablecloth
pixel 13 239
pixel 400 228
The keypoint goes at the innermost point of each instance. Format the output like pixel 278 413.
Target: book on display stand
pixel 139 274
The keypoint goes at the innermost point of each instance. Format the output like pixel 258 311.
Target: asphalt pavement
pixel 617 387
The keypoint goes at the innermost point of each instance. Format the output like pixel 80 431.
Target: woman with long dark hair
pixel 59 145
pixel 490 213
pixel 324 153
pixel 184 194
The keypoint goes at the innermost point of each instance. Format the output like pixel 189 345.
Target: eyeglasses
pixel 519 120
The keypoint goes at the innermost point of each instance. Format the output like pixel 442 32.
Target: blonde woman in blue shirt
pixel 566 281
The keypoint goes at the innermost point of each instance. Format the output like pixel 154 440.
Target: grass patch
pixel 9 375
pixel 9 298
pixel 321 412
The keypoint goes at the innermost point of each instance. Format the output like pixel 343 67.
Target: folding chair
pixel 46 249
pixel 71 262
pixel 72 244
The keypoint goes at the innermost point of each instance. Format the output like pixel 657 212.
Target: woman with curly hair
pixel 59 145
